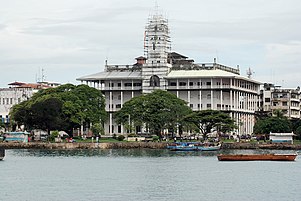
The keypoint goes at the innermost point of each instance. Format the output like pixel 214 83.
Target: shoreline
pixel 137 145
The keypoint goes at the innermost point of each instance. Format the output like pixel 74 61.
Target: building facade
pixel 202 86
pixel 16 93
pixel 276 98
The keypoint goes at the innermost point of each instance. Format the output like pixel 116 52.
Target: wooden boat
pixel 257 157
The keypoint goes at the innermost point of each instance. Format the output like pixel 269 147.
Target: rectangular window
pixel 190 83
pixel 118 105
pixel 284 103
pixel 208 106
pixel 137 84
pixel 191 105
pixel 267 100
pixel 119 84
pixel 208 83
pixel 119 129
pixel 182 84
pixel 127 84
pixel 173 84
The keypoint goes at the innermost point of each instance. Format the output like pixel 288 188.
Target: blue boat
pixel 183 146
pixel 16 136
pixel 210 148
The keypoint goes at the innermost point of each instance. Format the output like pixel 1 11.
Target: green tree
pixel 207 120
pixel 62 108
pixel 97 129
pixel 298 132
pixel 158 110
pixel 273 124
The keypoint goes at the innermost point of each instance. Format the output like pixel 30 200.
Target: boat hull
pixel 209 148
pixel 257 157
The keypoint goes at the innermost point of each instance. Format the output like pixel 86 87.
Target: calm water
pixel 37 175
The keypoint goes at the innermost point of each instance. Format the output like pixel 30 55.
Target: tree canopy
pixel 275 124
pixel 62 108
pixel 158 110
pixel 207 120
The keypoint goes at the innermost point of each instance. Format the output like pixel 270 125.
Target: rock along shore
pixel 135 145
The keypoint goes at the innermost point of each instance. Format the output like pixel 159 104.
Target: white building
pixel 203 86
pixel 10 97
pixel 16 93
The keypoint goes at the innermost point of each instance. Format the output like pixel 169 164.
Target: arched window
pixel 154 81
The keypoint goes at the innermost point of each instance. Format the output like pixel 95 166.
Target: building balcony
pixel 279 107
pixel 136 88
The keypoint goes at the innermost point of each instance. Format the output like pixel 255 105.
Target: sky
pixel 68 39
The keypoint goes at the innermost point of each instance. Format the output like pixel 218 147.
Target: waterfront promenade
pixel 137 145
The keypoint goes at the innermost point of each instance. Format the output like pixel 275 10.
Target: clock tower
pixel 156 47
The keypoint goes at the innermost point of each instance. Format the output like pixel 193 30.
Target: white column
pixel 200 99
pixel 231 102
pixel 221 101
pixel 188 97
pixel 122 101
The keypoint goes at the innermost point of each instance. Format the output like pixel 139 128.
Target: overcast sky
pixel 73 38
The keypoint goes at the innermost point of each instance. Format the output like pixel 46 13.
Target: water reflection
pixel 138 153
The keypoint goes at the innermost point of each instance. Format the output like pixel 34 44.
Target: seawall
pixel 80 145
pixel 136 145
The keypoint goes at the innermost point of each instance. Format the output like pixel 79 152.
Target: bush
pixel 120 138
pixel 53 135
pixel 155 138
pixel 132 135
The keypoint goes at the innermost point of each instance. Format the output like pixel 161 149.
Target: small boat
pixel 183 146
pixel 210 148
pixel 257 157
pixel 18 136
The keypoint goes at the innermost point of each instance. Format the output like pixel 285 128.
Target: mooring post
pixel 2 153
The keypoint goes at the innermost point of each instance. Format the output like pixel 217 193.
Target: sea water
pixel 144 174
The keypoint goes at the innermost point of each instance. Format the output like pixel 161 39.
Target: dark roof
pixel 141 58
pixel 175 55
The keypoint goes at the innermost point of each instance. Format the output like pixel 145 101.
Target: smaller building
pixel 284 99
pixel 282 137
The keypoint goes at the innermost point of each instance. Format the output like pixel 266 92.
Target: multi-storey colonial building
pixel 16 93
pixel 277 98
pixel 203 86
